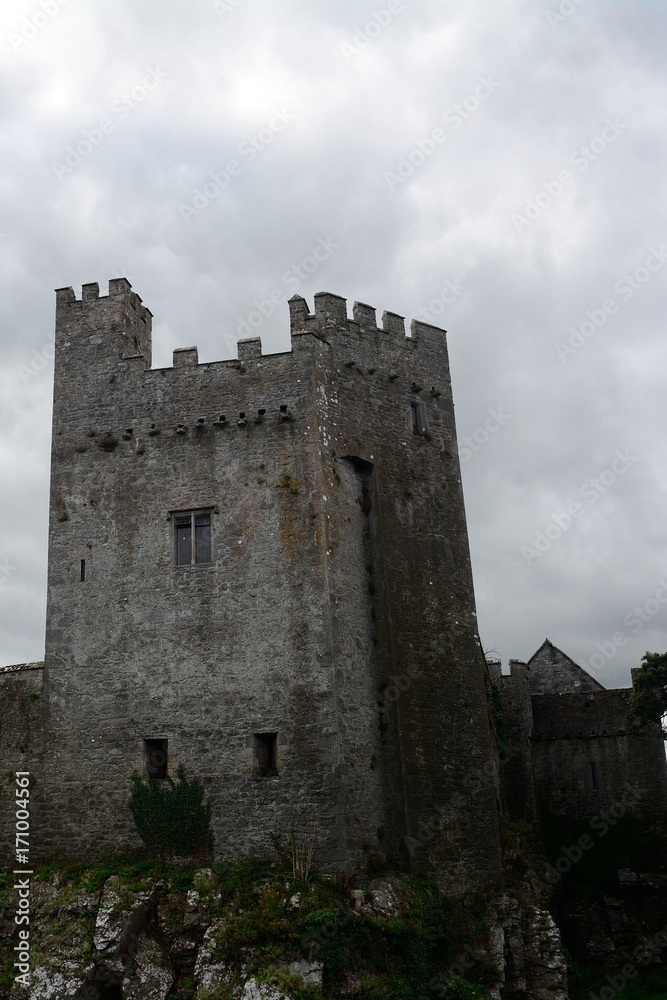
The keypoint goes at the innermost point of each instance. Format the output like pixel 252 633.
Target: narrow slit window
pixel 155 759
pixel 418 418
pixel 83 570
pixel 593 777
pixel 264 745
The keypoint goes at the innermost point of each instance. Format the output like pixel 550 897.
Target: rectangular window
pixel 155 759
pixel 192 538
pixel 264 746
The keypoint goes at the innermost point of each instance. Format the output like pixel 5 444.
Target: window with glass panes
pixel 192 537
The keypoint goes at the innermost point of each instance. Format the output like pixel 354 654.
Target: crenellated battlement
pixel 120 289
pixel 331 313
pixel 96 330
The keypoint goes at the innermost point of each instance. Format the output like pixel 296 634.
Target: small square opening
pixel 155 759
pixel 264 748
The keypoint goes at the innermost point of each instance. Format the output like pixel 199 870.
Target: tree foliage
pixel 171 816
pixel 648 701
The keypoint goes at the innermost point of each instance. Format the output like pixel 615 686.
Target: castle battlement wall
pixel 102 318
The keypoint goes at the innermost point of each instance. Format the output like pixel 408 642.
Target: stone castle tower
pixel 259 570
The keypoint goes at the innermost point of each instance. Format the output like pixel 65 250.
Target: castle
pixel 259 571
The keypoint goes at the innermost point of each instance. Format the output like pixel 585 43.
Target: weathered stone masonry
pixel 336 610
pixel 571 754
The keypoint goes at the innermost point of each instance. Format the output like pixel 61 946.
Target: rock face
pixel 627 925
pixel 527 950
pixel 162 940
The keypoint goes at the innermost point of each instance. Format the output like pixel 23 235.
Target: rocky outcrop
pixel 526 948
pixel 150 939
pixel 626 925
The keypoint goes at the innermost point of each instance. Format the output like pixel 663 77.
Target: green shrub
pixel 461 989
pixel 171 816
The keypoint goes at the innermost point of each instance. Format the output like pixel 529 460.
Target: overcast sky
pixel 497 168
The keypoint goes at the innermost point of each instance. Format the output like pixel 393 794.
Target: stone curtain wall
pixel 571 731
pixel 570 755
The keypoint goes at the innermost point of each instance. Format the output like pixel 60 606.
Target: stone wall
pixel 551 671
pixel 586 762
pixel 570 754
pixel 22 712
pixel 520 795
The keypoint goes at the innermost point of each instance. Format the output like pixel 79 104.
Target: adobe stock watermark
pixel 566 8
pixel 449 293
pixel 31 26
pixel 93 137
pixel 248 150
pixel 600 825
pixel 6 570
pixel 634 620
pixel 225 7
pixel 447 814
pixel 40 360
pixel 625 287
pixel 379 20
pixel 482 434
pixel 581 159
pixel 590 491
pixel 454 117
pixel 440 984
pixel 291 281
pixel 22 885
pixel 398 685
pixel 646 953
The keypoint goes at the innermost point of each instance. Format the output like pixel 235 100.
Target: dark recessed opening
pixel 593 776
pixel 103 984
pixel 155 757
pixel 110 992
pixel 418 418
pixel 264 745
pixel 359 464
pixel 83 570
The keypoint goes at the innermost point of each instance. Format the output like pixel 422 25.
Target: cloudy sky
pixel 496 167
